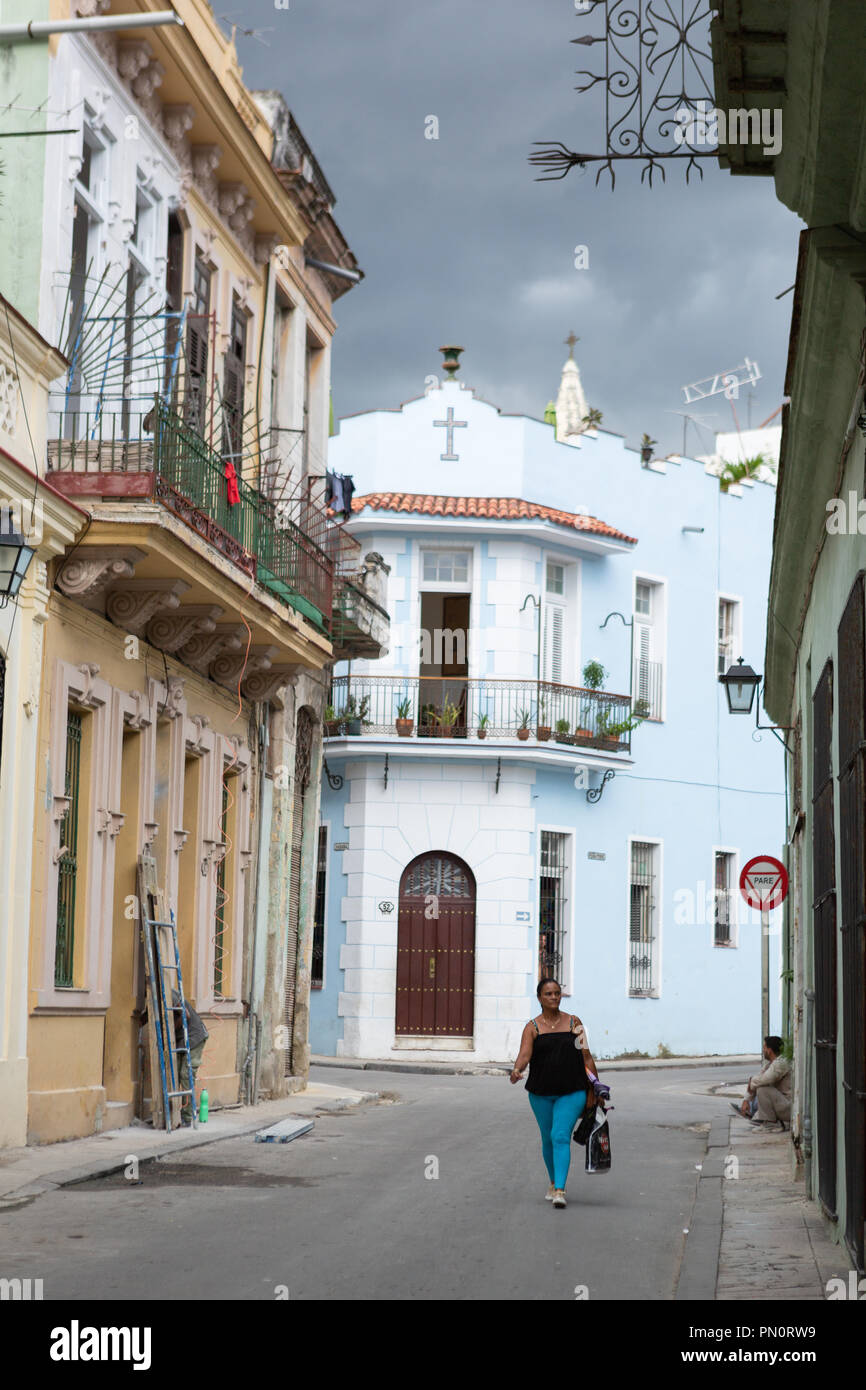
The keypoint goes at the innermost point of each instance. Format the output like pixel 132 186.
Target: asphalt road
pixel 346 1212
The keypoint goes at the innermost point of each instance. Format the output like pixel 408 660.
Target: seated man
pixel 770 1091
pixel 198 1036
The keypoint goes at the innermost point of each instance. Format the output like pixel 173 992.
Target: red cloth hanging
pixel 231 478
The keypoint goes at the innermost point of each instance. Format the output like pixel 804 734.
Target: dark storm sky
pixel 460 245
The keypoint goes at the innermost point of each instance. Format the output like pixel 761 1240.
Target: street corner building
pixel 542 776
pixel 168 292
pixel 816 634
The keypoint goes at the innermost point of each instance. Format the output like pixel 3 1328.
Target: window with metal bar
pixel 220 925
pixel 317 975
pixel 643 918
pixel 724 902
pixel 552 903
pixel 67 870
pixel 727 633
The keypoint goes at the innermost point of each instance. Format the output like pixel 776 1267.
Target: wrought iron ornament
pixel 657 84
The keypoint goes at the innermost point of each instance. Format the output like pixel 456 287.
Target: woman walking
pixel 554 1044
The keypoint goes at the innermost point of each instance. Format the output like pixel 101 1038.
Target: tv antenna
pixel 723 383
pixel 699 422
pixel 247 33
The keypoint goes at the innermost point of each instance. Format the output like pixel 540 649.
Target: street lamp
pixel 740 684
pixel 15 557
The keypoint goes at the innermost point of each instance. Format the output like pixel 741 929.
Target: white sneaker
pixel 559 1199
pixel 548 1196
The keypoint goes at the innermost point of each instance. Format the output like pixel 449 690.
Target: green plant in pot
pixel 562 735
pixel 524 716
pixel 483 722
pixel 542 732
pixel 331 722
pixel 594 676
pixel 646 448
pixel 404 723
pixel 447 718
pixel 354 715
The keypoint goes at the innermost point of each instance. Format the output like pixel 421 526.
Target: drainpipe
pixel 101 24
pixel 253 1057
pixel 356 276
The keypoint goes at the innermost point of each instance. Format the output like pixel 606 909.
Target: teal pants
pixel 557 1117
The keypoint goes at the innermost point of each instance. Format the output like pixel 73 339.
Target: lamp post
pixel 15 557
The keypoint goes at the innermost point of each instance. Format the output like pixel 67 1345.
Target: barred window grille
pixel 724 902
pixel 318 968
pixel 642 926
pixel 67 871
pixel 552 904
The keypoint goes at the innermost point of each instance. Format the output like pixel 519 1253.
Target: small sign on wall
pixel 595 854
pixel 386 907
pixel 521 916
pixel 341 844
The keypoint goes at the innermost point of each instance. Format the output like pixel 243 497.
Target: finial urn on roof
pixel 451 360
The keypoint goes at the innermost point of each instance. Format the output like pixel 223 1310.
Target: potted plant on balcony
pixel 331 722
pixel 562 735
pixel 542 732
pixel 482 725
pixel 404 724
pixel 446 719
pixel 583 735
pixel 646 449
pixel 354 715
pixel 594 675
pixel 524 716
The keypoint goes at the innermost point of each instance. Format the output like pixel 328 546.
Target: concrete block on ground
pixel 284 1131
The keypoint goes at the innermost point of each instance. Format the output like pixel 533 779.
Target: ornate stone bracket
pixel 170 632
pixel 265 245
pixel 231 197
pixel 201 723
pixel 214 853
pixel 180 838
pixel 227 668
pixel 132 605
pixel 111 821
pixel 89 670
pixel 174 698
pixel 246 858
pixel 204 647
pixel 176 121
pixel 147 81
pixel 133 56
pixel 151 829
pixel 60 807
pixel 90 570
pixel 263 685
pixel 141 717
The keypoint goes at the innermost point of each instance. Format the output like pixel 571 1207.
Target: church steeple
pixel 571 406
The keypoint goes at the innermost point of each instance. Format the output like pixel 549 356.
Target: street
pixel 346 1212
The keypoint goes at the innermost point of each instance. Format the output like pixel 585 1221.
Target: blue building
pixel 542 776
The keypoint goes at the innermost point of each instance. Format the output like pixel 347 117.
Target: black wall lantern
pixel 15 557
pixel 740 684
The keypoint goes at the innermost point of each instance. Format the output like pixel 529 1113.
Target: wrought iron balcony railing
pixel 289 546
pixel 648 688
pixel 459 707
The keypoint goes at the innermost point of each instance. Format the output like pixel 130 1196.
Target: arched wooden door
pixel 436 948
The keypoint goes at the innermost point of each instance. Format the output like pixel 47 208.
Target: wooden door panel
pixel 436 953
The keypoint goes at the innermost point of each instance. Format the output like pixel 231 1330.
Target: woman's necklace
pixel 552 1026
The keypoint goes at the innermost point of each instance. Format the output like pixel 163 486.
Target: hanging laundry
pixel 232 494
pixel 348 490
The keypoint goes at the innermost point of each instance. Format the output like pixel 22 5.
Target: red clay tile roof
pixel 487 508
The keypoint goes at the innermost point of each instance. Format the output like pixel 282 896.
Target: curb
pixel 429 1068
pixel 699 1269
pixel 101 1168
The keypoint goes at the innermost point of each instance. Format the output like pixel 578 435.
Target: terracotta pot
pixel 332 728
pixel 542 733
pixel 583 736
pixel 482 733
pixel 611 744
pixel 405 727
pixel 523 735
pixel 563 738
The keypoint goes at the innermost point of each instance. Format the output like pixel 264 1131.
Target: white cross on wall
pixel 450 425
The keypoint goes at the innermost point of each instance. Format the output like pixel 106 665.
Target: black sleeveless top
pixel 556 1067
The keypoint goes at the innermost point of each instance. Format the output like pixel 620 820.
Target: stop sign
pixel 764 882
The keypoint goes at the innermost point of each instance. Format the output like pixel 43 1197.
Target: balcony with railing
pixel 286 544
pixel 422 708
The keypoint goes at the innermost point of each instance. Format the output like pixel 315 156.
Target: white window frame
pixel 658 869
pixel 445 586
pixel 737 633
pixel 476 653
pixel 659 630
pixel 734 855
pixel 569 602
pixel 567 982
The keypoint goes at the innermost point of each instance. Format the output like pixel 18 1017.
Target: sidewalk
pixel 27 1173
pixel 429 1067
pixel 752 1232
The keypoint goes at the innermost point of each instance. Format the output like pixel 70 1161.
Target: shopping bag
pixel 584 1129
pixel 598 1146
